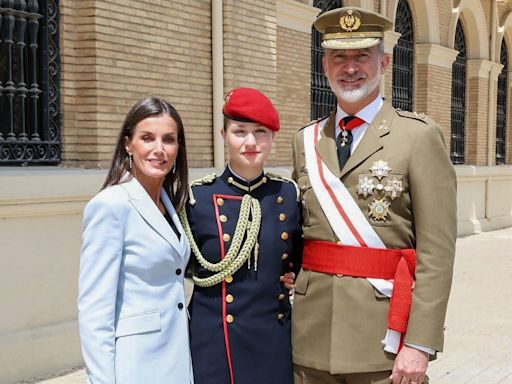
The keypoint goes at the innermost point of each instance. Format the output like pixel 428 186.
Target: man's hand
pixel 410 366
pixel 288 280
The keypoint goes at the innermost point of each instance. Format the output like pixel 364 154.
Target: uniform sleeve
pixel 432 183
pixel 100 260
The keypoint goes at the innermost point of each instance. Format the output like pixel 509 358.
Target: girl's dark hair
pixel 175 184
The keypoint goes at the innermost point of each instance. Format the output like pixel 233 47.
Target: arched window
pixel 403 59
pixel 29 82
pixel 322 99
pixel 501 113
pixel 458 112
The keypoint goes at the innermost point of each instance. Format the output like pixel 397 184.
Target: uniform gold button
pixel 220 201
pixel 226 237
pixel 229 279
pixel 282 217
pixel 290 265
pixel 281 296
pixel 264 180
pixel 284 235
pixel 230 180
pixel 229 298
pixel 223 218
pixel 280 316
pixel 230 319
pixel 285 256
pixel 280 200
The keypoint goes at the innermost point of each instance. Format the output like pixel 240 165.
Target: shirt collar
pixel 368 113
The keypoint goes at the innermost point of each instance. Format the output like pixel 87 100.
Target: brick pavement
pixel 478 347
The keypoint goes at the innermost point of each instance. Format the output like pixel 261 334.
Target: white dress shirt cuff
pixel 430 351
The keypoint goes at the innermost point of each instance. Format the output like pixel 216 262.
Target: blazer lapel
pixel 174 216
pixel 371 141
pixel 143 204
pixel 326 146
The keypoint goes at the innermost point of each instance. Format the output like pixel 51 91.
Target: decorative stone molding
pixel 479 68
pixel 496 70
pixel 296 16
pixel 434 54
pixel 390 40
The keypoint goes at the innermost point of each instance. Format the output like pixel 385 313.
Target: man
pixel 379 200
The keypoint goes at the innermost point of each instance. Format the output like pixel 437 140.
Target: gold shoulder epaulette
pixel 415 115
pixel 208 179
pixel 275 176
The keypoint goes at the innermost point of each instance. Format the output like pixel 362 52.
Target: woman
pixel 240 311
pixel 132 316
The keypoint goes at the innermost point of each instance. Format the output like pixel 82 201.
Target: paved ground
pixel 478 346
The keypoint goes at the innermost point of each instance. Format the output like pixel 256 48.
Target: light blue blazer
pixel 132 314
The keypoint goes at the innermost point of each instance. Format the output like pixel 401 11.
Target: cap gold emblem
pixel 350 20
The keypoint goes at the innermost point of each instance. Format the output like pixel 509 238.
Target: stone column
pixel 386 83
pixel 491 118
pixel 433 83
pixel 478 106
pixel 293 101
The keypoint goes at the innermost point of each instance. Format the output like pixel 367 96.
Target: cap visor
pixel 351 43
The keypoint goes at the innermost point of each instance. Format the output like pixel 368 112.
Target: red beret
pixel 251 105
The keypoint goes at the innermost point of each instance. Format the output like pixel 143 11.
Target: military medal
pixel 344 139
pixel 366 186
pixel 379 209
pixel 380 169
pixel 394 188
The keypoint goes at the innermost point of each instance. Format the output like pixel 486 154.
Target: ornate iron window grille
pixel 30 117
pixel 458 109
pixel 403 59
pixel 501 112
pixel 322 98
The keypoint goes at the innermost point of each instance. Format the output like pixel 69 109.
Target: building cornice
pixel 296 16
pixel 433 54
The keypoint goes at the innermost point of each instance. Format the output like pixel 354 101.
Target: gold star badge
pixel 379 209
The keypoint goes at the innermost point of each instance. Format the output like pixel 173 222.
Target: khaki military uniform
pixel 338 322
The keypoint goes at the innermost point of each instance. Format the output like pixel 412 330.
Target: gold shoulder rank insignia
pixel 208 179
pixel 420 116
pixel 275 176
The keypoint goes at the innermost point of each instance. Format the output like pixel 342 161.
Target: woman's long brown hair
pixel 175 183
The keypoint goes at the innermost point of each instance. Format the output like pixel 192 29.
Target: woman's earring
pixel 174 168
pixel 130 161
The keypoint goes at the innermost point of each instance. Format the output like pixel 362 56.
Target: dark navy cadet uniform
pixel 240 328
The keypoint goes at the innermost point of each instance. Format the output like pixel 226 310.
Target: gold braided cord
pixel 235 257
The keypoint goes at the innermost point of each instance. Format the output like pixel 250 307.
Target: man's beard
pixel 357 94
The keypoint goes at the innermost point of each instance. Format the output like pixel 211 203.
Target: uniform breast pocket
pixel 310 207
pixel 148 321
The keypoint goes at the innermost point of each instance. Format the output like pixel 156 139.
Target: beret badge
pixel 350 20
